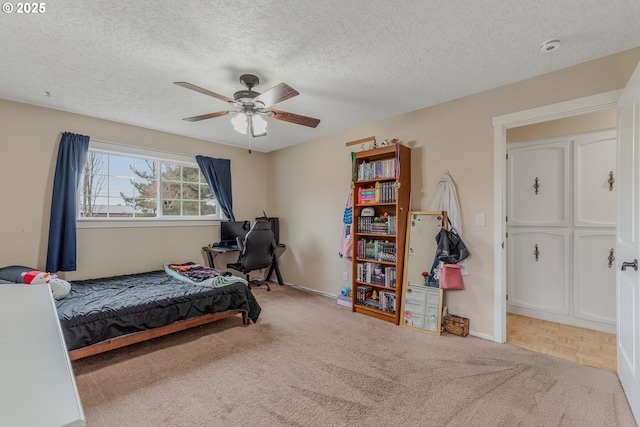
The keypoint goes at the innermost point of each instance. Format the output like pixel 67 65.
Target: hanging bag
pixel 450 277
pixel 450 247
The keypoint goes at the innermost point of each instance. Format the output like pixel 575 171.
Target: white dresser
pixel 37 386
pixel 422 307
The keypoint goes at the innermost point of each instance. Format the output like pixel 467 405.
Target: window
pixel 120 183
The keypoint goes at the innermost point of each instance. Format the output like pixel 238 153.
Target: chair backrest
pixel 258 248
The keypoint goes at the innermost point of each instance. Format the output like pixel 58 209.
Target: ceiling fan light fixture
pixel 259 125
pixel 239 122
pixel 251 105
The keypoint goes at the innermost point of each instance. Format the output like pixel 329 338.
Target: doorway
pixel 571 316
pixel 546 114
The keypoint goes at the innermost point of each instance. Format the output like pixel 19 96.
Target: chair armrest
pixel 240 243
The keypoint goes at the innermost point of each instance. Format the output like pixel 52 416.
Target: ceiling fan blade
pixel 294 118
pixel 207 116
pixel 276 94
pixel 205 91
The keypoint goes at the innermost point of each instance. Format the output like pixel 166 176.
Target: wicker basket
pixel 456 325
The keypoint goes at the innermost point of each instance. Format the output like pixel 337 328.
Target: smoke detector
pixel 550 46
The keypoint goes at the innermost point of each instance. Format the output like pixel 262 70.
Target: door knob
pixel 633 264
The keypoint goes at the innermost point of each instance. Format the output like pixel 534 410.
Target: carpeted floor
pixel 310 362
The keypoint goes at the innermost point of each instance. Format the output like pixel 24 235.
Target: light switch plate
pixel 480 219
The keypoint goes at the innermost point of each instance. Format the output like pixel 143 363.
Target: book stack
pixel 377 225
pixel 364 223
pixel 368 195
pixel 390 277
pixel 371 272
pixel 376 249
pixel 387 301
pixel 387 192
pixel 363 293
pixel 377 169
pixel 364 271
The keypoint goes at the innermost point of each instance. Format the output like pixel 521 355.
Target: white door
pixel 628 242
pixel 594 278
pixel 538 274
pixel 538 177
pixel 595 187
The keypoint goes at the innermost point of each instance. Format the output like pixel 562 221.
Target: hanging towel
pixel 346 242
pixel 447 200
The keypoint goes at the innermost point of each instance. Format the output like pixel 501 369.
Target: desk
pixel 213 252
pixel 38 385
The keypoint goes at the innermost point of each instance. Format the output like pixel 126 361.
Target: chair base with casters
pixel 250 282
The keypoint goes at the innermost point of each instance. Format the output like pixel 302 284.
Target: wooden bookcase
pixel 379 240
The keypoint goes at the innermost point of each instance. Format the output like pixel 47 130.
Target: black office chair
pixel 257 250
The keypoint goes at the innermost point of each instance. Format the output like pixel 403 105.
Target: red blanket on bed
pixel 197 272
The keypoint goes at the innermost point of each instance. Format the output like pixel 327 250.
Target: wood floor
pixel 585 346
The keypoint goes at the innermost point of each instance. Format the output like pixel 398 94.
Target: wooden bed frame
pixel 136 337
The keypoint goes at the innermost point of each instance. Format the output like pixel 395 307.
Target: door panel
pixel 594 284
pixel 538 177
pixel 538 276
pixel 627 243
pixel 595 176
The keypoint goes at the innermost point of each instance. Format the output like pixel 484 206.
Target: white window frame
pixel 161 221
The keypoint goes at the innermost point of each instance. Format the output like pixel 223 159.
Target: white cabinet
pixel 595 201
pixel 38 386
pixel 594 296
pixel 422 307
pixel 561 217
pixel 539 184
pixel 539 273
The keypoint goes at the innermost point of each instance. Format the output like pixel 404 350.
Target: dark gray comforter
pixel 99 309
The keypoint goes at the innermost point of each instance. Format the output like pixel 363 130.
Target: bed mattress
pixel 99 309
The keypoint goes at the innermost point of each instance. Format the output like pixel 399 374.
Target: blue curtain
pixel 217 172
pixel 72 153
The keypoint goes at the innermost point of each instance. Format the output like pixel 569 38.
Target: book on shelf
pixel 377 169
pixel 387 301
pixel 387 192
pixel 381 192
pixel 368 195
pixel 363 293
pixel 378 250
pixel 390 277
pixel 377 224
pixel 371 272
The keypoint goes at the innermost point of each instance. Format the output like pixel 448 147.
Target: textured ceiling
pixel 353 61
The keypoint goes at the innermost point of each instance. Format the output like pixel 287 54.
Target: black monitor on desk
pixel 229 230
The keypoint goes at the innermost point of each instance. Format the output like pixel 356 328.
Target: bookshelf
pixel 381 192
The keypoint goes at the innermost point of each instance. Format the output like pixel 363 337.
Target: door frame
pixel 574 107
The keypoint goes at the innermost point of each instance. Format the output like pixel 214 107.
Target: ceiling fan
pixel 251 105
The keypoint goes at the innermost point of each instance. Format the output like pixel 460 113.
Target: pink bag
pixel 450 277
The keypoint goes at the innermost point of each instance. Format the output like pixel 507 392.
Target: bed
pixel 99 315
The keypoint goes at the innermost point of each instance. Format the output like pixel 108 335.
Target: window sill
pixel 141 223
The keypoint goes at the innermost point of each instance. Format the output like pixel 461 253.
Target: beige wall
pixel 306 185
pixel 598 120
pixel 309 182
pixel 29 138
